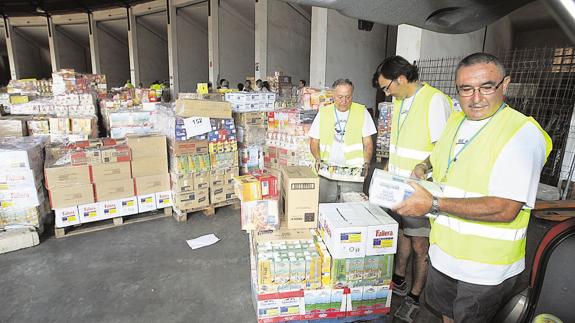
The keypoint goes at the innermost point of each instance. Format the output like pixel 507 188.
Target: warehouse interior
pixel 146 271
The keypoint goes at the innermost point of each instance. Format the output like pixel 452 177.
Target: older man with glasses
pixel 419 117
pixel 489 161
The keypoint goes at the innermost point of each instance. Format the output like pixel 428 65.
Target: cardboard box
pixel 152 184
pixel 260 215
pixel 282 234
pixel 202 108
pixel 71 195
pixel 110 209
pixel 149 166
pixel 248 188
pixel 217 178
pixel 115 154
pixel 86 157
pixel 179 148
pixel 269 186
pixel 90 213
pixel 146 203
pixel 111 171
pixel 164 199
pixel 147 146
pixel 192 200
pixel 388 190
pixel 351 229
pixel 67 175
pixel 201 180
pixel 300 196
pixel 66 217
pixel 217 194
pixel 128 206
pixel 114 190
pixel 182 182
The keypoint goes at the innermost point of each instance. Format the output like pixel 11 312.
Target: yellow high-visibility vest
pixel 484 251
pixel 352 140
pixel 410 141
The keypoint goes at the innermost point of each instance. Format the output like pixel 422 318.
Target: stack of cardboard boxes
pixel 102 179
pixel 259 195
pixel 314 99
pixel 383 130
pixel 22 197
pixel 203 153
pixel 287 138
pixel 325 260
pixel 282 85
pixel 251 101
pixel 251 133
pixel 190 174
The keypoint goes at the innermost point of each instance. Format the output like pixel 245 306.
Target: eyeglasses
pixel 485 89
pixel 386 89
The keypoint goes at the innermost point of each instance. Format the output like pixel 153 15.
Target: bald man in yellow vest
pixel 489 160
pixel 340 135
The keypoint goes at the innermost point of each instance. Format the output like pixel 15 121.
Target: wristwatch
pixel 434 205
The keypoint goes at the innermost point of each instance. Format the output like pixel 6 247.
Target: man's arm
pixel 367 149
pixel 488 208
pixel 314 148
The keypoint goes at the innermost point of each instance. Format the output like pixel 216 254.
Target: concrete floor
pixel 145 272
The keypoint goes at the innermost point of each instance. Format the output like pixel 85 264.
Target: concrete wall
pixel 237 43
pixel 192 53
pixel 74 53
pixel 114 59
pixel 32 57
pixel 289 37
pixel 354 54
pixel 153 55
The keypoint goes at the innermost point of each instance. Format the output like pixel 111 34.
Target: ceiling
pixel 445 16
pixel 13 8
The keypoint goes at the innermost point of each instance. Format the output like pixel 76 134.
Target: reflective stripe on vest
pixel 352 140
pixel 498 247
pixel 414 142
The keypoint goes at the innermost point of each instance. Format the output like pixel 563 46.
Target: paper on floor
pixel 203 241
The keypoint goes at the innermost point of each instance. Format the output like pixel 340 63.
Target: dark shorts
pixel 465 302
pixel 412 226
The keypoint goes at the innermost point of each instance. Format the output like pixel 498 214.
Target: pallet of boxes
pixel 313 261
pixel 203 157
pixel 102 183
pixel 23 203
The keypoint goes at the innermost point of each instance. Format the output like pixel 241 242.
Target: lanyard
pixel 450 160
pixel 337 123
pixel 399 123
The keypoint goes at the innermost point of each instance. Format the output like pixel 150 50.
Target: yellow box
pixel 247 188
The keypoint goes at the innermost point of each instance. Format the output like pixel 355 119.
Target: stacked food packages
pixel 259 196
pixel 68 114
pixel 314 98
pixel 282 85
pixel 251 101
pixel 287 138
pixel 203 153
pixel 105 178
pixel 383 130
pixel 251 133
pixel 322 260
pixel 22 196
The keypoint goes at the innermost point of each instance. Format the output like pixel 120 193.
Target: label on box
pixel 66 217
pixel 128 206
pixel 146 203
pixel 163 199
pixel 90 213
pixel 110 209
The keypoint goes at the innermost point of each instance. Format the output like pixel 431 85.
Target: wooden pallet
pixel 112 223
pixel 182 215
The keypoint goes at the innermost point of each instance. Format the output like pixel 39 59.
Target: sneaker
pixel 408 310
pixel 401 289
